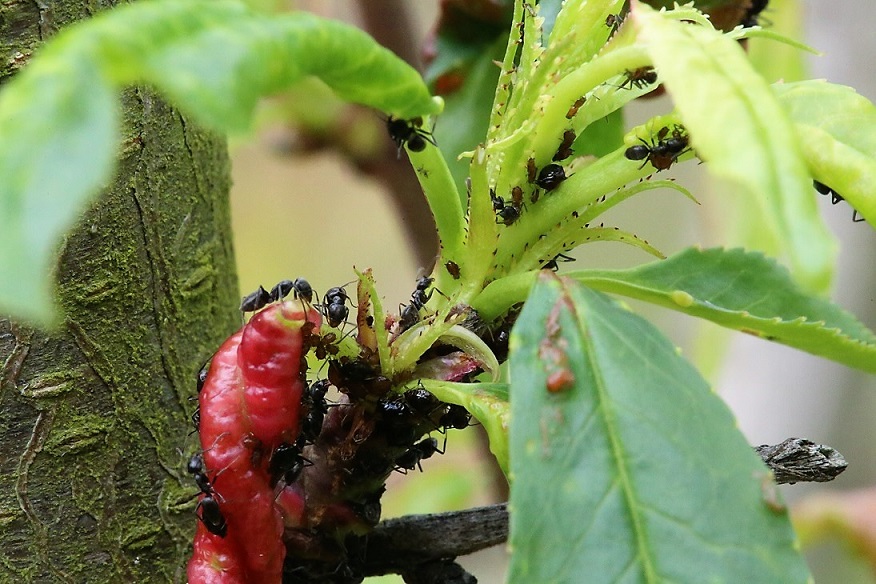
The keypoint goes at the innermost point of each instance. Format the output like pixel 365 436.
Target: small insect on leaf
pixel 560 380
pixel 552 351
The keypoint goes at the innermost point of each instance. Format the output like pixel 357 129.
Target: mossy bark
pixel 93 415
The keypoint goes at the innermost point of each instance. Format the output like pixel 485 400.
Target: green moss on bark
pixel 93 415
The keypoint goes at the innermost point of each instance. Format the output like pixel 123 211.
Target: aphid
pixel 408 132
pixel 452 269
pixel 324 345
pixel 751 15
pixel 574 109
pixel 517 196
pixel 613 22
pixel 835 198
pixel 662 153
pixel 255 301
pixel 560 380
pixel 639 78
pixel 531 170
pixel 550 177
pixel 565 149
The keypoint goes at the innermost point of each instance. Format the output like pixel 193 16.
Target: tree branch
pixel 409 544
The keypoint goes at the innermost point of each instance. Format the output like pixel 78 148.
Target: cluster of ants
pixel 386 428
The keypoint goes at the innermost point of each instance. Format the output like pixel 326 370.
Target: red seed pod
pixel 269 358
pixel 214 560
pixel 236 469
pixel 291 502
pixel 223 424
pixel 254 522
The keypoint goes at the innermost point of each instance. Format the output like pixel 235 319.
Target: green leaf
pixel 740 130
pixel 632 470
pixel 213 58
pixel 837 129
pixel 748 292
pixel 487 402
pixel 53 128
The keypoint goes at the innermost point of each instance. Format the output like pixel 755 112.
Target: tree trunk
pixel 94 415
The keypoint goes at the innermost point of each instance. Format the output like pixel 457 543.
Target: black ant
pixel 751 15
pixel 422 401
pixel 419 298
pixel 202 374
pixel 408 132
pixel 506 213
pixel 551 176
pixel 287 463
pixel 317 408
pixel 196 469
pixel 565 149
pixel 196 420
pixel 409 314
pixel 639 78
pixel 413 456
pixel 397 418
pixel 300 286
pixel 662 153
pixel 255 301
pixel 456 417
pixel 551 264
pixel 335 306
pixel 211 516
pixel 835 198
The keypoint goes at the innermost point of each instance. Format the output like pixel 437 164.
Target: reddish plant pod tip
pixel 290 501
pixel 270 362
pixel 215 560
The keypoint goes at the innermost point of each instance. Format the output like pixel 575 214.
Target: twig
pixel 408 545
pixel 398 546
